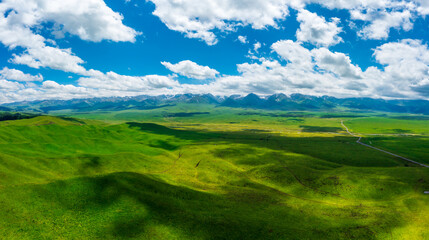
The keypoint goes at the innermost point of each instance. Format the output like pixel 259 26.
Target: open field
pixel 203 172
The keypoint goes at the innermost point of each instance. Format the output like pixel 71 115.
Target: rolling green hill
pixel 225 174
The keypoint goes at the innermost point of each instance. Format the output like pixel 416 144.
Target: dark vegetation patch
pixel 255 130
pixel 411 117
pixel 154 107
pixel 295 119
pixel 185 114
pixel 177 127
pixel 163 144
pixel 283 115
pixel 163 130
pixel 6 116
pixel 90 163
pixel 70 119
pixel 397 130
pixel 190 124
pixel 306 128
pixel 341 116
pixel 233 152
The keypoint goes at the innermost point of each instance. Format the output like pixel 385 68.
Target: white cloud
pixel 294 53
pixel 380 15
pixel 325 60
pixel 37 54
pixel 317 30
pixel 423 7
pixel 257 46
pixel 191 70
pixel 406 64
pixel 96 85
pixel 114 81
pixel 407 50
pixel 351 4
pixel 50 86
pixel 337 63
pixel 269 77
pixel 322 72
pixel 10 86
pixel 55 58
pixel 242 39
pixel 405 73
pixel 199 18
pixel 382 21
pixel 203 19
pixel 17 75
pixel 90 20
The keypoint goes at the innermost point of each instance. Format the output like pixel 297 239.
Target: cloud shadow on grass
pixel 237 214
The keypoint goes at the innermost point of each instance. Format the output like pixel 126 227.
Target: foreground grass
pixel 273 178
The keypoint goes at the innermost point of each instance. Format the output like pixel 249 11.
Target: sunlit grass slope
pixel 209 177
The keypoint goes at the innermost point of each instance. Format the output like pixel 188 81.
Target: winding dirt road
pixel 381 150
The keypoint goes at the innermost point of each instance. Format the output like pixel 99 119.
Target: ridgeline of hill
pixel 6 116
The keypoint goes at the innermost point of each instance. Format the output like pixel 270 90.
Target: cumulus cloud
pixel 203 19
pixel 90 20
pixel 326 61
pixel 270 76
pixel 337 63
pixel 382 21
pixel 302 73
pixel 191 70
pixel 293 52
pixel 406 64
pixel 317 30
pixel 423 7
pixel 405 72
pixel 242 39
pixel 114 81
pixel 404 51
pixel 199 18
pixel 380 16
pixel 17 75
pixel 54 58
pixel 257 46
pixel 97 84
pixel 422 88
pixel 10 86
pixel 323 72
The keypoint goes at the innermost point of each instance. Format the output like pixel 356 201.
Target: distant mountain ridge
pixel 294 102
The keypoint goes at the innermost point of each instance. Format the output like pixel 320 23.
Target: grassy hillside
pixel 228 174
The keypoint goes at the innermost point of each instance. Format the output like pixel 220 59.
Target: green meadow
pixel 196 171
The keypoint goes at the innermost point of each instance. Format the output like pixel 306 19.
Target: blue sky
pixel 52 49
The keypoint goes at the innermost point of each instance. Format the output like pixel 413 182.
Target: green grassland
pixel 203 172
pixel 407 136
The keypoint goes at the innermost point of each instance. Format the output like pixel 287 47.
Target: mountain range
pixel 293 102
